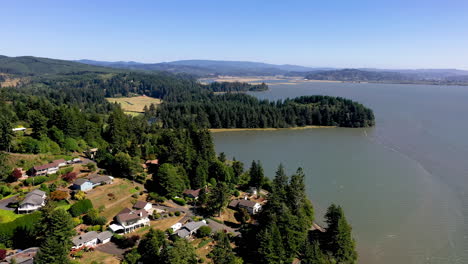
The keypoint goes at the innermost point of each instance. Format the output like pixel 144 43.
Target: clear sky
pixel 348 33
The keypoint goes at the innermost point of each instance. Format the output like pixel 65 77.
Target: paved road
pixel 5 202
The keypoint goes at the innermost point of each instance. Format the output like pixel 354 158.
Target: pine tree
pixel 338 236
pixel 222 251
pixel 180 253
pixel 151 245
pixel 313 254
pixel 280 183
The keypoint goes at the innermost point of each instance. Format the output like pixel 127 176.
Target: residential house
pixel 176 227
pixel 143 205
pixel 32 202
pixel 91 239
pixel 190 228
pixel 60 162
pixel 21 256
pixel 192 193
pixel 45 169
pixel 129 220
pixel 151 165
pixel 251 206
pixel 86 184
pixel 18 129
pixel 97 179
pixel 82 184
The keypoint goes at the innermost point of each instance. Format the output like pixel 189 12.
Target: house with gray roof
pixel 33 201
pixel 91 239
pixel 190 228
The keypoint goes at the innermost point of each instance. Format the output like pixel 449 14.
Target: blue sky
pixel 348 33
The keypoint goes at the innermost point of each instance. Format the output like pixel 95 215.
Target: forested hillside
pixel 28 65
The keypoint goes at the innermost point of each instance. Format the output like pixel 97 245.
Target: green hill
pixel 28 65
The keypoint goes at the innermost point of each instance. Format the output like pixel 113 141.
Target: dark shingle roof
pixel 140 205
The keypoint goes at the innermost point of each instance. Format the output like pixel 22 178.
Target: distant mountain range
pixel 29 65
pixel 209 67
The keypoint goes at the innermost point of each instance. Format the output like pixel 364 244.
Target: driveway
pixel 215 227
pixel 4 203
pixel 111 248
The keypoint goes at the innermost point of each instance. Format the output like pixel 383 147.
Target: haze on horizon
pixel 343 34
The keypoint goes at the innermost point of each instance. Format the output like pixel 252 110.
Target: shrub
pixel 236 193
pixel 179 201
pixel 36 180
pixel 177 213
pixel 69 177
pixel 81 207
pixel 58 195
pixel 80 195
pixel 156 215
pixel 15 175
pixel 171 214
pixel 204 231
pixel 93 218
pixel 125 242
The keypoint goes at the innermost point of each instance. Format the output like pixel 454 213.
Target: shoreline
pixel 218 130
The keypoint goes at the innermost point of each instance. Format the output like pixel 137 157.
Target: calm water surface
pixel 403 184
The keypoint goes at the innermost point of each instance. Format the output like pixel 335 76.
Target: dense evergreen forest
pixel 236 87
pixel 243 111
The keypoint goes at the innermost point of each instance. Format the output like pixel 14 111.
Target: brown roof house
pixel 251 206
pixel 143 205
pixel 129 220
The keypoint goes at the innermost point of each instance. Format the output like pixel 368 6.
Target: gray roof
pixel 83 238
pixel 104 235
pixel 183 233
pixel 80 181
pixel 35 197
pixel 100 179
pixel 193 226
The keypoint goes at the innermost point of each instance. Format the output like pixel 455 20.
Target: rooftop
pixel 83 238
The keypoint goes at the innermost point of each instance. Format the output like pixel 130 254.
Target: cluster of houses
pixel 88 183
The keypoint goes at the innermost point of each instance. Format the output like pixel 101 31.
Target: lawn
pixel 8 216
pixel 97 256
pixel 122 190
pixel 135 104
pixel 26 161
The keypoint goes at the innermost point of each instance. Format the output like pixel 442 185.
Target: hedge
pixel 36 180
pixel 179 201
pixel 81 207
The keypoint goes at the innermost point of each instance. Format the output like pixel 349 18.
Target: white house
pixel 19 129
pixel 143 205
pixel 45 169
pixel 130 220
pixel 176 227
pixel 251 206
pixel 91 239
pixel 32 202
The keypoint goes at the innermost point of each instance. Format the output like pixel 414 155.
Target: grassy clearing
pixel 8 216
pixel 98 257
pixel 135 104
pixel 122 190
pixel 27 161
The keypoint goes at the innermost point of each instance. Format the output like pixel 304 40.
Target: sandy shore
pixel 215 130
